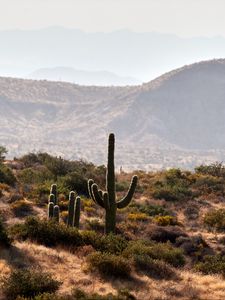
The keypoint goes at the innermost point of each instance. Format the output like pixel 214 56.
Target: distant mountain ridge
pixel 100 78
pixel 175 120
pixel 123 52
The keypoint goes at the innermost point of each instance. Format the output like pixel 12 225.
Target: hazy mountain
pixel 139 55
pixel 66 74
pixel 176 119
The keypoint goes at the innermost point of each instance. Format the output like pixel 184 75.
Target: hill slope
pixel 174 119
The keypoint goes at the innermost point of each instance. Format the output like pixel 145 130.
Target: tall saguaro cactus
pixel 107 200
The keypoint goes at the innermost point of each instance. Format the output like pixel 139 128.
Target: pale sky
pixel 186 18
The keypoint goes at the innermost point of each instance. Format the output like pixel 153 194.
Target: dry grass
pixel 70 270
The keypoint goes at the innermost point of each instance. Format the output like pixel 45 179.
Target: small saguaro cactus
pixel 76 220
pixel 107 200
pixel 73 210
pixel 56 213
pixel 53 191
pixel 50 210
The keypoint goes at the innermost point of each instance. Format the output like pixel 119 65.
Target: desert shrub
pixel 4 239
pixel 6 175
pixel 212 264
pixel 28 283
pixel 156 269
pixel 50 233
pixel 15 197
pixel 109 264
pixel 3 152
pixel 46 232
pixel 95 224
pixel 158 251
pixel 137 217
pixel 208 184
pixel 214 169
pixel 194 246
pixel 191 212
pixel 111 243
pixel 21 208
pixel 164 234
pixel 165 220
pixel 122 186
pixel 152 210
pixel 173 185
pixel 31 176
pixel 75 182
pixel 64 216
pixel 215 219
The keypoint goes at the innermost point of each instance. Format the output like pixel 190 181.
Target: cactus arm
pixel 97 196
pixel 127 199
pixel 100 193
pixel 90 183
pixel 76 220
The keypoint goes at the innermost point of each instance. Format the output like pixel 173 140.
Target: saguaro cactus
pixel 107 200
pixel 56 213
pixel 73 210
pixel 53 191
pixel 50 210
pixel 76 219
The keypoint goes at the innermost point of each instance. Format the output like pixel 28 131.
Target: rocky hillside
pixel 176 118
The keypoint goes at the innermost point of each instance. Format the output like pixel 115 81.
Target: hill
pixel 169 241
pixel 176 119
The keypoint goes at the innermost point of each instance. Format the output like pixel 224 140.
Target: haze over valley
pixel 175 120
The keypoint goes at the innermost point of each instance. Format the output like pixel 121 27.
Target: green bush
pixel 4 239
pixel 114 244
pixel 215 169
pixel 47 233
pixel 152 210
pixel 109 264
pixel 156 269
pixel 212 265
pixel 158 251
pixel 215 219
pixel 50 233
pixel 31 176
pixel 173 185
pixel 6 175
pixel 28 283
pixel 208 184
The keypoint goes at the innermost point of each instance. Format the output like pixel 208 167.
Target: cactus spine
pixel 107 200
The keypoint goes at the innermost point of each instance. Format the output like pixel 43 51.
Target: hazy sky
pixel 185 18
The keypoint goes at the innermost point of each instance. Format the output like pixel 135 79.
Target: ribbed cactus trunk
pixel 110 215
pixel 107 200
